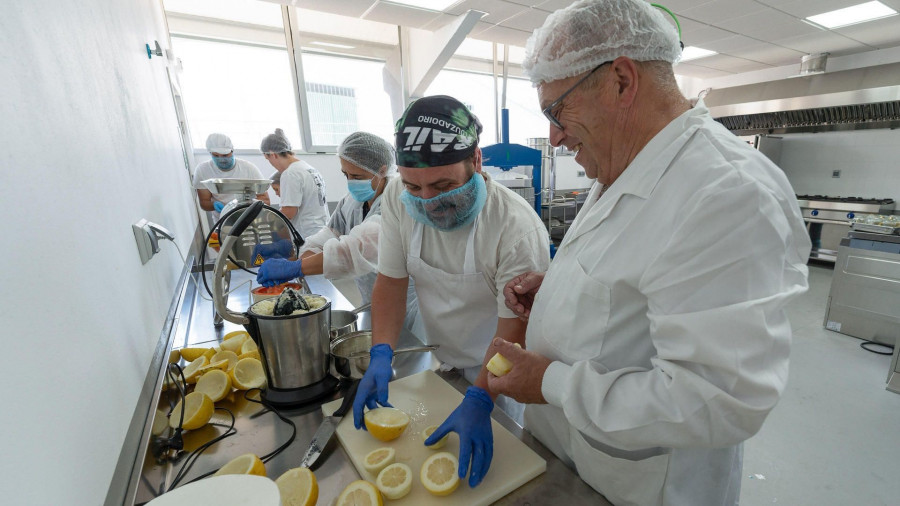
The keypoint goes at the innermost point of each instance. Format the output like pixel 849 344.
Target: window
pixel 344 95
pixel 242 11
pixel 477 92
pixel 243 91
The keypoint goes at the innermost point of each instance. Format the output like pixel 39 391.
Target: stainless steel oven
pixel 828 219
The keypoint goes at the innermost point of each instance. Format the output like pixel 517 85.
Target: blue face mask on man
pixel 451 210
pixel 224 162
pixel 361 189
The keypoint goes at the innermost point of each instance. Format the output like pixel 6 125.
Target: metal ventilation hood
pixel 845 100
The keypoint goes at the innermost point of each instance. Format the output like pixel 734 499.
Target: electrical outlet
pixel 147 235
pixel 836 174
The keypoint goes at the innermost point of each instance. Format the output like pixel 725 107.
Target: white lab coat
pixel 664 313
pixel 350 246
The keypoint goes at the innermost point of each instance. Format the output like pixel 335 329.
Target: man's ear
pixel 477 160
pixel 627 79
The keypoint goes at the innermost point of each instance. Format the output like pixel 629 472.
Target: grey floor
pixel 834 439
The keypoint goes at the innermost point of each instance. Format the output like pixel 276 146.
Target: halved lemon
pixel 249 354
pixel 440 443
pixel 192 371
pixel 248 373
pixel 298 487
pixel 247 463
pixel 235 333
pixel 198 409
pixel 378 459
pixel 233 343
pixel 211 352
pixel 216 384
pixel 499 365
pixel 395 480
pixel 191 354
pixel 438 473
pixel 221 365
pixel 230 356
pixel 360 493
pixel 386 424
pixel 248 346
pixel 174 356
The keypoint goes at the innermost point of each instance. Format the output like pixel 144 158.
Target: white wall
pixel 89 146
pixel 869 161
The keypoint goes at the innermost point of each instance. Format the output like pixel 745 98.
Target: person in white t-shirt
pixel 222 165
pixel 302 187
pixel 460 237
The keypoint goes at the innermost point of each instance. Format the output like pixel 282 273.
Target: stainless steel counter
pixel 260 431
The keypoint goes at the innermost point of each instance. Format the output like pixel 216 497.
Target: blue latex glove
pixel 472 421
pixel 218 206
pixel 373 387
pixel 282 248
pixel 278 270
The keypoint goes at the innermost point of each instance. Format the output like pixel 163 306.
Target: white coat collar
pixel 643 173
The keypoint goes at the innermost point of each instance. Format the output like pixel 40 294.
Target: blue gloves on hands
pixel 282 248
pixel 278 270
pixel 373 387
pixel 218 206
pixel 472 421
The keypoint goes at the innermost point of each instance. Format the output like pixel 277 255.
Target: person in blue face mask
pixel 460 237
pixel 348 246
pixel 222 165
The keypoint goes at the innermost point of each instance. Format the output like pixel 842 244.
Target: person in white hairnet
pixel 303 198
pixel 657 341
pixel 348 245
pixel 222 165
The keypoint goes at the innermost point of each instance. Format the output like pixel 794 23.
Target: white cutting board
pixel 429 400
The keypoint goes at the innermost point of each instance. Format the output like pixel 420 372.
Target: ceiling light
pixel 861 13
pixel 432 5
pixel 332 44
pixel 694 52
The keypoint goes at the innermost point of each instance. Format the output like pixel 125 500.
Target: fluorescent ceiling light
pixel 332 44
pixel 861 13
pixel 694 52
pixel 432 5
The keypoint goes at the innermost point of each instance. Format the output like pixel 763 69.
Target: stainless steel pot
pixel 344 322
pixel 294 348
pixel 350 354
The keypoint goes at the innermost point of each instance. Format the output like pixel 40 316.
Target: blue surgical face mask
pixel 224 162
pixel 361 189
pixel 451 210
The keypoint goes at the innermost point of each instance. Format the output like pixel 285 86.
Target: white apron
pixel 459 312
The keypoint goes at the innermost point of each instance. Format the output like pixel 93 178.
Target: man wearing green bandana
pixel 461 237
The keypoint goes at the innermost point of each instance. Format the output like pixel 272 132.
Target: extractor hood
pixel 845 100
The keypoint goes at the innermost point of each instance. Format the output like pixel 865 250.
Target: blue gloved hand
pixel 472 421
pixel 218 206
pixel 282 248
pixel 278 270
pixel 373 387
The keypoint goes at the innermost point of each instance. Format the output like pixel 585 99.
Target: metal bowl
pixel 350 354
pixel 246 186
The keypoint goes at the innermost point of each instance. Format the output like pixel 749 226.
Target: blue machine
pixel 506 156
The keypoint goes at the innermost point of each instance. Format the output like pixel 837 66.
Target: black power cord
pixel 271 455
pixel 866 346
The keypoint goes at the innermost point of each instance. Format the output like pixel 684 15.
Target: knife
pixel 326 430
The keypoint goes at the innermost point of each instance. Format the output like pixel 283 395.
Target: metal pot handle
pixel 411 349
pixel 364 307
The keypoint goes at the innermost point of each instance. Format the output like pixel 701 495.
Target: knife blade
pixel 326 430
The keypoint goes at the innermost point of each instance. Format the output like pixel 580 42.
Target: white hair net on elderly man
pixel 367 151
pixel 587 33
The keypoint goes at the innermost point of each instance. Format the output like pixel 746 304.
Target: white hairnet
pixel 587 33
pixel 275 143
pixel 219 144
pixel 367 151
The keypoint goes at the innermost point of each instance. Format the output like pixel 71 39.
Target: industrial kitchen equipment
pixel 294 348
pixel 864 301
pixel 828 219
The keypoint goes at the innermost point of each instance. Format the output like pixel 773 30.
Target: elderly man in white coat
pixel 657 341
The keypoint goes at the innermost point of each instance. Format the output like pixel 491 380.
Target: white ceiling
pixel 749 35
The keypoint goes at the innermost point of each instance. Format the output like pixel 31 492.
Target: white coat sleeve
pixel 316 242
pixel 354 254
pixel 715 303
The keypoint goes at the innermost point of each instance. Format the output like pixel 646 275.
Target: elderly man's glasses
pixel 548 111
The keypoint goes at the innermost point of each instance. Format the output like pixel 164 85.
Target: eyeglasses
pixel 548 111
